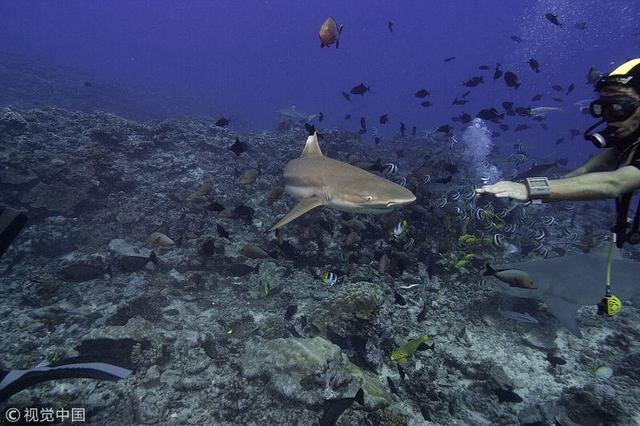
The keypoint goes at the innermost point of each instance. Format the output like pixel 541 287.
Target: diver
pixel 614 173
pixel 610 174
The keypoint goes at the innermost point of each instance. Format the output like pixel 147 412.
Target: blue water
pixel 247 59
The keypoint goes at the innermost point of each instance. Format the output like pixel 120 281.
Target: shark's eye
pixel 369 198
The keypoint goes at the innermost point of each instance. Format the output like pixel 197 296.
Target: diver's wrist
pixel 538 189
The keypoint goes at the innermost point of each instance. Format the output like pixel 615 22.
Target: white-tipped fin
pixel 312 148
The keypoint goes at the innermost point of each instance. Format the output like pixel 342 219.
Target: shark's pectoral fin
pixel 565 312
pixel 301 208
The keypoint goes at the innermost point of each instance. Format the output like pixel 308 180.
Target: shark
pixel 567 283
pixel 294 114
pixel 317 180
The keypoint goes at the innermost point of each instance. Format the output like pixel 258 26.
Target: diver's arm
pixel 595 186
pixel 606 160
pixel 590 186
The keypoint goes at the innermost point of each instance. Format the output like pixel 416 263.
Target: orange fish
pixel 330 33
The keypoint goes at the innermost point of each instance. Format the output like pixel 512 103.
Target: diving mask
pixel 614 108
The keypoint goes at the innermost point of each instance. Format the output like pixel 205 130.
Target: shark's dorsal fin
pixel 312 148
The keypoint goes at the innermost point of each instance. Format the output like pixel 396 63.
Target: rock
pixel 12 122
pixel 56 197
pixel 593 405
pixel 310 371
pixel 356 305
pixel 161 239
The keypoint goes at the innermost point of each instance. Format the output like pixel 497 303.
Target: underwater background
pixel 146 140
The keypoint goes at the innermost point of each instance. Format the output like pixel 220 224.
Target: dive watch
pixel 538 189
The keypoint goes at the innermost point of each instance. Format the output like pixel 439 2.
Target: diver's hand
pixel 515 190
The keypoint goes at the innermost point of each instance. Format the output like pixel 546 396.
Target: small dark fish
pixel 216 207
pixel 399 300
pixel 360 89
pixel 221 231
pixel 392 386
pixel 557 88
pixel 320 116
pixel 534 65
pixel 347 116
pixel 508 106
pixel 422 93
pixel 504 127
pixel 593 76
pixel 363 124
pixel 390 26
pixel 377 140
pixel 495 134
pixel 523 111
pixel 490 114
pixel 223 122
pixel 483 67
pixel 553 19
pixel 414 129
pixel 463 118
pixel 507 395
pixel 511 79
pixel 536 97
pixel 445 128
pixel 516 39
pixel 449 59
pixel 444 180
pixel 290 312
pixel 401 372
pixel 243 211
pixel 402 128
pixel 497 73
pixel 335 408
pixel 581 25
pixel 384 118
pixel 557 99
pixel 82 272
pixel 521 127
pixel 563 161
pixel 570 88
pixel 555 360
pixel 426 104
pixel 473 81
pixel 239 147
pixel 559 141
pixel 422 315
pixel 465 94
pixel 310 128
pixel 451 168
pixel 87 84
pixel 458 101
pixel 346 96
pixel 240 270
